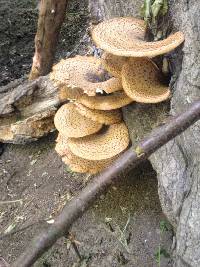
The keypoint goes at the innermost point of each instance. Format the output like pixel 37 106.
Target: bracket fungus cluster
pixel 91 131
pixel 128 57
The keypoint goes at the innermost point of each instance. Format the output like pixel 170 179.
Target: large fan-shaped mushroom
pixel 86 73
pixel 103 145
pixel 70 123
pixel 78 164
pixel 125 37
pixel 140 79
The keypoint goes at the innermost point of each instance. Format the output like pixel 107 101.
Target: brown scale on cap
pixel 102 145
pixel 76 163
pixel 113 64
pixel 106 102
pixel 101 116
pixel 70 123
pixel 86 73
pixel 140 79
pixel 125 37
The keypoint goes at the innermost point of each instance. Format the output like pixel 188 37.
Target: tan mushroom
pixel 107 102
pixel 61 145
pixel 125 37
pixel 103 145
pixel 101 116
pixel 82 72
pixel 66 93
pixel 113 64
pixel 140 79
pixel 76 163
pixel 70 123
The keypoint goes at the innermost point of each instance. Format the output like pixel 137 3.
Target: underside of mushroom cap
pixel 103 145
pixel 80 165
pixel 140 79
pixel 105 102
pixel 76 163
pixel 113 64
pixel 70 123
pixel 61 145
pixel 84 72
pixel 66 93
pixel 125 37
pixel 101 116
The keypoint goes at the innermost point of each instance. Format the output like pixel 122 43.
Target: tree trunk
pixel 51 16
pixel 178 163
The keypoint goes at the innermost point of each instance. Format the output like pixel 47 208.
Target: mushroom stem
pixel 78 205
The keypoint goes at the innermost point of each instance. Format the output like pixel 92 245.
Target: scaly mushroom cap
pixel 140 78
pixel 113 64
pixel 101 116
pixel 70 123
pixel 113 101
pixel 82 72
pixel 76 163
pixel 102 145
pixel 125 37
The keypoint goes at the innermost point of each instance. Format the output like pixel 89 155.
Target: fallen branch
pixel 51 17
pixel 78 205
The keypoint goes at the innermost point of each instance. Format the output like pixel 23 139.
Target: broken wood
pixel 27 109
pixel 51 17
pixel 130 159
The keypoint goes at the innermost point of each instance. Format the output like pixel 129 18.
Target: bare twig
pixel 78 205
pixel 73 242
pixel 11 201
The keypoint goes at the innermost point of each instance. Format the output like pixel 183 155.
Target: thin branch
pixel 130 159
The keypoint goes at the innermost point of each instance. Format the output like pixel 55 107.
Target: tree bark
pixel 27 109
pixel 51 17
pixel 177 163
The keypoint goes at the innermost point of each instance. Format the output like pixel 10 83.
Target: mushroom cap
pixel 61 145
pixel 140 78
pixel 125 37
pixel 83 72
pixel 70 123
pixel 66 93
pixel 101 116
pixel 102 145
pixel 112 101
pixel 76 163
pixel 113 64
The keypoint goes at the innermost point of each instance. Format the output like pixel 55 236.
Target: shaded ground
pixel 123 228
pixel 18 21
pixel 35 174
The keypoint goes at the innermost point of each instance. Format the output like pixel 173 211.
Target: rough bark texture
pixel 177 163
pixel 51 16
pixel 27 109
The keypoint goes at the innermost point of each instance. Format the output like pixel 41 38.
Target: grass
pixel 162 252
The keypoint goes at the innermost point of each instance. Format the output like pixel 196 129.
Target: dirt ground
pixel 125 227
pixel 18 22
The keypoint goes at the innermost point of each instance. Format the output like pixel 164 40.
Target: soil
pixel 126 227
pixel 17 31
